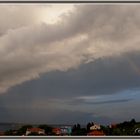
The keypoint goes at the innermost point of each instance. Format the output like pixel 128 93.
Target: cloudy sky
pixel 69 63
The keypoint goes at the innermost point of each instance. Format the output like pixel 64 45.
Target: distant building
pixel 96 133
pixel 56 131
pixel 95 127
pixel 35 130
pixel 66 130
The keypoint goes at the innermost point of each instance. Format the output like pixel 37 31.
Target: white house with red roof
pixel 35 130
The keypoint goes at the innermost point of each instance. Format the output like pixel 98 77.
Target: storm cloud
pixel 31 48
pixel 73 60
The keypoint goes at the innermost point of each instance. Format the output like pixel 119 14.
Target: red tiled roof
pixel 35 129
pixel 96 133
pixel 56 130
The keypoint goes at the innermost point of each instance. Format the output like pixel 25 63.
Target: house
pixel 66 130
pixel 56 131
pixel 95 127
pixel 35 130
pixel 96 133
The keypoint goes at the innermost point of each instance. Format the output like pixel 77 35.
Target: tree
pixel 88 127
pixel 77 130
pixel 133 122
pixel 78 126
pixel 23 129
pixel 9 132
pixel 105 129
pixel 116 132
pixel 48 129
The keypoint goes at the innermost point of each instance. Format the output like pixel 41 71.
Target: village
pixel 91 129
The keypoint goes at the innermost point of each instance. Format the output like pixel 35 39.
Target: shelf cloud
pixel 30 47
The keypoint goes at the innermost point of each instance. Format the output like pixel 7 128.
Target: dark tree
pixel 77 130
pixel 9 132
pixel 23 129
pixel 88 127
pixel 133 122
pixel 48 129
pixel 78 126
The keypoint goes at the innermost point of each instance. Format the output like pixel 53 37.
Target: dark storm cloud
pixel 93 51
pixel 101 77
pixel 59 91
pixel 27 115
pixel 85 34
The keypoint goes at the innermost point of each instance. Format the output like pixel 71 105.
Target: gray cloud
pixel 30 48
pixel 101 77
pixel 60 91
pixel 110 101
pixel 12 17
pixel 93 50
